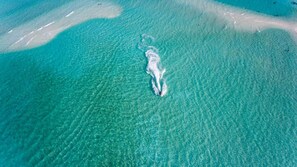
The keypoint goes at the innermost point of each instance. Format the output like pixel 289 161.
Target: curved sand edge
pixel 44 28
pixel 241 19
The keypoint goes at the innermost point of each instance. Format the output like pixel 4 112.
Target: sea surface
pixel 85 98
pixel 277 8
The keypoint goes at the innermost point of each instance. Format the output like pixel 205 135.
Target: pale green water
pixel 85 99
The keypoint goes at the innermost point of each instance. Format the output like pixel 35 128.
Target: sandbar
pixel 44 28
pixel 241 19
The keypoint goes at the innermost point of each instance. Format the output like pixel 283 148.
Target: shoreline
pixel 241 19
pixel 44 28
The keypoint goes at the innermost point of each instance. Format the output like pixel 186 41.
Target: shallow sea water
pixel 84 99
pixel 277 8
pixel 15 12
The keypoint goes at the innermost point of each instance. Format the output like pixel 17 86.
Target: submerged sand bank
pixel 241 19
pixel 45 27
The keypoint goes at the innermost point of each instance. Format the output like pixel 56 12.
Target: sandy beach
pixel 44 28
pixel 243 20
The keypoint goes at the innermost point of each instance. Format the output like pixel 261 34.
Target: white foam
pixel 69 14
pixel 164 89
pixel 241 19
pixel 156 72
pixel 49 24
pixel 31 32
pixel 39 29
pixel 45 27
pixel 30 41
pixel 147 38
pixel 155 89
pixel 153 68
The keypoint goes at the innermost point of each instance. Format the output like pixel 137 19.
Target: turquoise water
pixel 15 12
pixel 84 99
pixel 271 7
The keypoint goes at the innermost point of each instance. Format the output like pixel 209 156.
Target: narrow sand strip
pixel 45 27
pixel 241 19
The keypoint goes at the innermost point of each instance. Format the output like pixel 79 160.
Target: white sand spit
pixel 45 27
pixel 241 19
